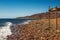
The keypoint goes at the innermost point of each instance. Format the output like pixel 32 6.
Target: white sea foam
pixel 26 22
pixel 5 30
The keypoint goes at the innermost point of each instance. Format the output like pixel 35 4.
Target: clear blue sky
pixel 18 8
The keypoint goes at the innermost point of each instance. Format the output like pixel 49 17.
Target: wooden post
pixel 49 16
pixel 56 20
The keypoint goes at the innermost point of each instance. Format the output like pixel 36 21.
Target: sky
pixel 20 8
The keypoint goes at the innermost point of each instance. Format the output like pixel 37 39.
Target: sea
pixel 13 21
pixel 6 23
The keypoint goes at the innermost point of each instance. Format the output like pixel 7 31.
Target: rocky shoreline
pixel 37 30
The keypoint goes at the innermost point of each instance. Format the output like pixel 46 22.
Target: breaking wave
pixel 5 30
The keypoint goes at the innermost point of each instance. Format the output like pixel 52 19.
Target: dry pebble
pixel 36 30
